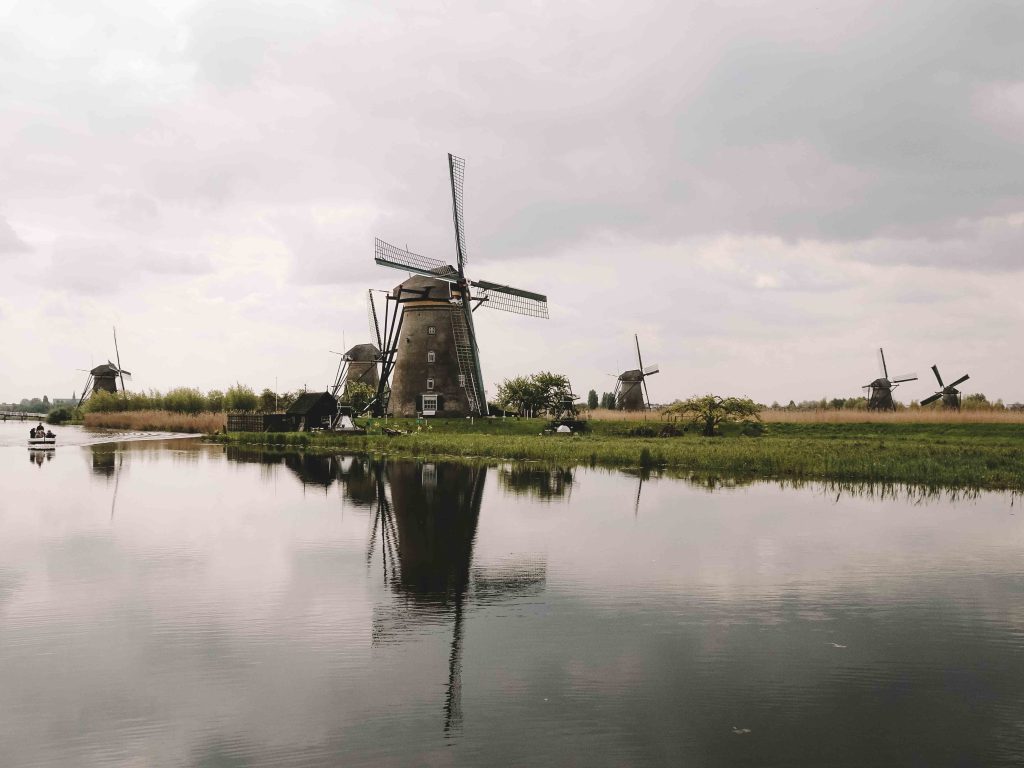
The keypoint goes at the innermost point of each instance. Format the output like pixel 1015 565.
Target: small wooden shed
pixel 313 410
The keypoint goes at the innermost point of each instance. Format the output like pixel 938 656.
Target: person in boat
pixel 49 434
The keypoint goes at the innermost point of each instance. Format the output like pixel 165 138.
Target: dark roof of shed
pixel 308 401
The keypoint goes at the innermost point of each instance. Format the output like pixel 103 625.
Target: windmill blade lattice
pixel 457 173
pixel 388 255
pixel 371 310
pixel 961 380
pixel 513 300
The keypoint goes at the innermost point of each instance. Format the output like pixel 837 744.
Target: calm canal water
pixel 169 603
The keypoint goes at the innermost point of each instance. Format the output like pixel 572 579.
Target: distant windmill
pixel 948 392
pixel 430 355
pixel 881 388
pixel 104 378
pixel 631 386
pixel 359 363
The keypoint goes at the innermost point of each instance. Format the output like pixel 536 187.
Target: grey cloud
pixel 92 267
pixel 130 209
pixel 857 126
pixel 10 243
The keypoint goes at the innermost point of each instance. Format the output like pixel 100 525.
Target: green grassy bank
pixel 989 456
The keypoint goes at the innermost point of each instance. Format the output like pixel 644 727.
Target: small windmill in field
pixel 359 363
pixel 631 386
pixel 104 378
pixel 882 387
pixel 948 392
pixel 430 358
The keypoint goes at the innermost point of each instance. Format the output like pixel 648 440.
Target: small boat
pixel 42 443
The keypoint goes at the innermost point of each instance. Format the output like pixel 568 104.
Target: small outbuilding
pixel 313 410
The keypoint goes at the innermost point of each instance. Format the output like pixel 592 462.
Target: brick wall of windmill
pixel 631 394
pixel 418 373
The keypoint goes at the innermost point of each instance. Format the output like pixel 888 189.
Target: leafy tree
pixel 215 401
pixel 240 398
pixel 358 394
pixel 268 400
pixel 711 410
pixel 975 401
pixel 538 393
pixel 592 399
pixel 184 400
pixel 519 394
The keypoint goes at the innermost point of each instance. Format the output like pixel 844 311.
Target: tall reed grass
pixel 163 421
pixel 906 416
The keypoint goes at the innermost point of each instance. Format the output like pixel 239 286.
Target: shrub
pixel 61 415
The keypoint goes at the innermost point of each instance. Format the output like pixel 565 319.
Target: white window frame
pixel 462 380
pixel 430 384
pixel 431 356
pixel 429 400
pixel 431 330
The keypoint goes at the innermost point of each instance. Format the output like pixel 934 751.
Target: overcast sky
pixel 765 192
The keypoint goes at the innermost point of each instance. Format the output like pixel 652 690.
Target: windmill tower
pixel 882 387
pixel 430 356
pixel 948 392
pixel 104 378
pixel 631 386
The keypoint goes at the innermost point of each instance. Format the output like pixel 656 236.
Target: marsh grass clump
pixel 163 421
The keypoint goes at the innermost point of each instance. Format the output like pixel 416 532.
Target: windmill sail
pixel 371 310
pixel 514 300
pixel 457 174
pixel 388 255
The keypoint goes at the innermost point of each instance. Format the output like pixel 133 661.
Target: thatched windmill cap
pixel 363 353
pixel 632 375
pixel 430 288
pixel 106 369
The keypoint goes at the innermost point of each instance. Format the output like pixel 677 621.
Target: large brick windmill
pixel 430 361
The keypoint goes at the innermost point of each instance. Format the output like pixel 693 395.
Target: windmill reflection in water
pixel 425 525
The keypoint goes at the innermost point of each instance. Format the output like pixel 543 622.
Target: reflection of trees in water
pixel 425 534
pixel 543 482
pixel 902 492
pixel 311 468
pixel 354 474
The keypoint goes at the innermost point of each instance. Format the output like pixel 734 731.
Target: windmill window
pixel 430 384
pixel 462 380
pixel 431 357
pixel 430 404
pixel 431 330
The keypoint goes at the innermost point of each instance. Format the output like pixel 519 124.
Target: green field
pixel 989 456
